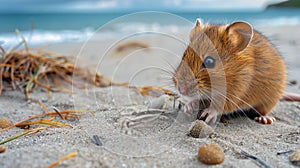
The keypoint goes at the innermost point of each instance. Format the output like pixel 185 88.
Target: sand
pixel 131 134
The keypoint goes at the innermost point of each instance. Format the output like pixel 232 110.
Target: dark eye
pixel 209 62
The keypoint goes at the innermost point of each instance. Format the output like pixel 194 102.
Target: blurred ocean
pixel 42 28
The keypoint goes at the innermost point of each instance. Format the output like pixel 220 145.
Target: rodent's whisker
pixel 174 90
pixel 166 81
pixel 239 109
pixel 226 98
pixel 205 97
pixel 167 71
pixel 203 94
pixel 169 65
pixel 167 76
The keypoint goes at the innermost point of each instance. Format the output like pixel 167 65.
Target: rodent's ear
pixel 195 31
pixel 240 34
pixel 199 22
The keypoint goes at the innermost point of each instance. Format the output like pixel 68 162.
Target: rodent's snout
pixel 182 89
pixel 185 80
pixel 187 88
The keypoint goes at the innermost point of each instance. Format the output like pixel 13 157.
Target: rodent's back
pixel 269 72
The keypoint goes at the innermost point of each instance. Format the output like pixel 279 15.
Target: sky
pixel 19 6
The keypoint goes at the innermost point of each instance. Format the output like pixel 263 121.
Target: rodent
pixel 232 66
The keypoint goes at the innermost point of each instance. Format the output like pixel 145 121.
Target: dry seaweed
pixel 46 122
pixel 50 121
pixel 25 70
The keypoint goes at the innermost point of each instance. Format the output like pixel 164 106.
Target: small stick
pixel 48 87
pixel 47 84
pixel 41 104
pixel 266 165
pixel 12 75
pixel 13 48
pixel 57 111
pixel 97 140
pixel 49 122
pixel 2 53
pixel 20 135
pixel 24 40
pixel 30 83
pixel 63 76
pixel 69 156
pixel 284 152
pixel 1 82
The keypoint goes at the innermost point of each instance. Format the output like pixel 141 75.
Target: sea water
pixel 47 28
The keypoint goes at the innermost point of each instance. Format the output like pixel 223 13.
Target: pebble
pixel 158 103
pixel 292 82
pixel 211 154
pixel 295 157
pixel 2 149
pixel 5 122
pixel 199 129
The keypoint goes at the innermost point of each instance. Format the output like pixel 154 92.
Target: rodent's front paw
pixel 192 107
pixel 210 114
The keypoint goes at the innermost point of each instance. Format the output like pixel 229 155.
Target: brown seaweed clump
pixel 25 70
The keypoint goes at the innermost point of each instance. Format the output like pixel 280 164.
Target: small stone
pixel 2 149
pixel 211 154
pixel 199 129
pixel 295 157
pixel 158 103
pixel 292 82
pixel 5 122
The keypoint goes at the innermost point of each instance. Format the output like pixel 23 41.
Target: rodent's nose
pixel 183 89
pixel 187 88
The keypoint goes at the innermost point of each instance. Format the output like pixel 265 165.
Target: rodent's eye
pixel 209 62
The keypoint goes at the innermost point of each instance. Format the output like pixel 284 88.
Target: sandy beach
pixel 130 136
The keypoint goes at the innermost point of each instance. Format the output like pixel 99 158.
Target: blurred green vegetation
pixel 287 4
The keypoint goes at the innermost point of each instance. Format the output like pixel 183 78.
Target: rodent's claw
pixel 188 109
pixel 191 107
pixel 265 119
pixel 210 114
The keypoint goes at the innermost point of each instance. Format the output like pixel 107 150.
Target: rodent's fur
pixel 253 71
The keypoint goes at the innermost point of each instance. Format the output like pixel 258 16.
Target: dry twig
pixel 263 163
pixel 69 156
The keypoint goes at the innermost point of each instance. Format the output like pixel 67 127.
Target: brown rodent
pixel 234 68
